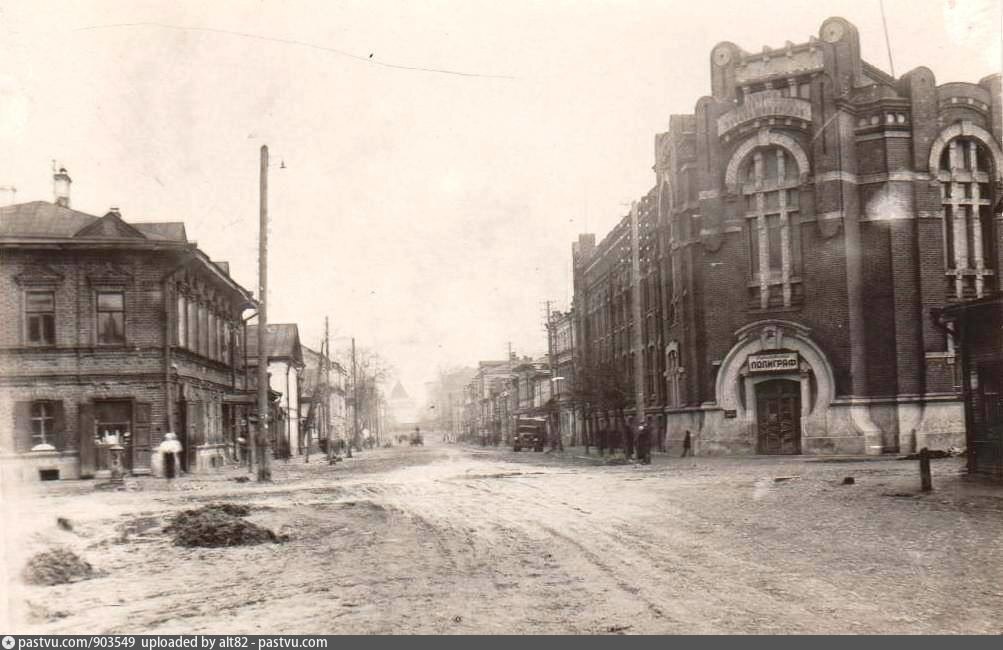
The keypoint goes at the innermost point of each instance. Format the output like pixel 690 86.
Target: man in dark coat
pixel 644 444
pixel 687 445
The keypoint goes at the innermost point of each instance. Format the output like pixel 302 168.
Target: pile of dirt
pixel 57 566
pixel 219 524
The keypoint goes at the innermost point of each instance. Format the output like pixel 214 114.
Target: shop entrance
pixel 778 416
pixel 113 424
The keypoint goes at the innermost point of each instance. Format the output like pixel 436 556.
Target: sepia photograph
pixel 461 317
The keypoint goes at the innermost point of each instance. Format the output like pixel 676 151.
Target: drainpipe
pixel 289 412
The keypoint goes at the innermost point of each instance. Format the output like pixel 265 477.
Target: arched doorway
pixel 778 417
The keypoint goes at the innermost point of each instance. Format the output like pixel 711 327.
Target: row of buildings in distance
pixel 482 404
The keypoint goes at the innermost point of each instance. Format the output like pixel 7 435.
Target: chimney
pixel 61 185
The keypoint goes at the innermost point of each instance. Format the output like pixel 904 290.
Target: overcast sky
pixel 429 214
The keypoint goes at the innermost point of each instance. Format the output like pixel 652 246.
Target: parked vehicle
pixel 530 432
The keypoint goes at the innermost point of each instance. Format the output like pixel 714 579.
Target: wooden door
pixel 86 433
pixel 778 417
pixel 141 443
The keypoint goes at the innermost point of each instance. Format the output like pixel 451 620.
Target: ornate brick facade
pixel 809 213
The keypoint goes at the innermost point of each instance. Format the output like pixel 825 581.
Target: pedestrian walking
pixel 644 444
pixel 687 445
pixel 170 452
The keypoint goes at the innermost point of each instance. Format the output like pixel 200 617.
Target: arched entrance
pixel 778 417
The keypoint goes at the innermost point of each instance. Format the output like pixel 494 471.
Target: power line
pixel 290 41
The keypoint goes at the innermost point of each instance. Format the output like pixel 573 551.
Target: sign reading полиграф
pixel 778 362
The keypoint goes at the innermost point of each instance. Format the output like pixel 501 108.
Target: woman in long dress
pixel 170 450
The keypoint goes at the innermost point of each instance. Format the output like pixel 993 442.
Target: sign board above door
pixel 777 362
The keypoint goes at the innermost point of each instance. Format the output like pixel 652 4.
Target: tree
pixel 371 371
pixel 600 387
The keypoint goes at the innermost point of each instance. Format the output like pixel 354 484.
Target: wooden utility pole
pixel 327 365
pixel 355 403
pixel 636 342
pixel 264 467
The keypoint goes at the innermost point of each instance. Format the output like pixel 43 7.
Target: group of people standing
pixel 641 443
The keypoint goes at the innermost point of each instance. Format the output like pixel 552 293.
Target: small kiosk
pixel 976 326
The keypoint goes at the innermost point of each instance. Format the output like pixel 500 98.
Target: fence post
pixel 924 470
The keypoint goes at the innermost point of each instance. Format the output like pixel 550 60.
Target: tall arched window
pixel 966 196
pixel 672 377
pixel 768 179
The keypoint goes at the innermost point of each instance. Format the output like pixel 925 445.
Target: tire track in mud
pixel 512 568
pixel 485 544
pixel 583 557
pixel 642 570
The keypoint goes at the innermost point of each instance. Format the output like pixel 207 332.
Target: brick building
pixel 768 293
pixel 488 401
pixel 562 339
pixel 112 330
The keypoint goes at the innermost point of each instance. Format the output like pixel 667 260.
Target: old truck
pixel 530 432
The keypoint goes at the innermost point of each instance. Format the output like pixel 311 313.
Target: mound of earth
pixel 57 566
pixel 218 525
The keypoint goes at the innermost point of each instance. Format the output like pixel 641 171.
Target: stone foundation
pixel 28 467
pixel 847 427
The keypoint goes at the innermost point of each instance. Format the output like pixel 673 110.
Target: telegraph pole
pixel 355 402
pixel 327 373
pixel 264 467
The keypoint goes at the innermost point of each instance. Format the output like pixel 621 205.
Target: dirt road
pixel 445 539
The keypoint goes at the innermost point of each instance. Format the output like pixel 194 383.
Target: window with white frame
pixel 44 432
pixel 769 179
pixel 182 321
pixel 966 198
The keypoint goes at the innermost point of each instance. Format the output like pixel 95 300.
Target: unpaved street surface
pixel 449 539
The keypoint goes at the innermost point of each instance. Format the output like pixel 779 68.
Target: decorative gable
pixel 110 226
pixel 109 275
pixel 38 275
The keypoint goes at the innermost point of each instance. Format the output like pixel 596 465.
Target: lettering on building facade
pixel 781 362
